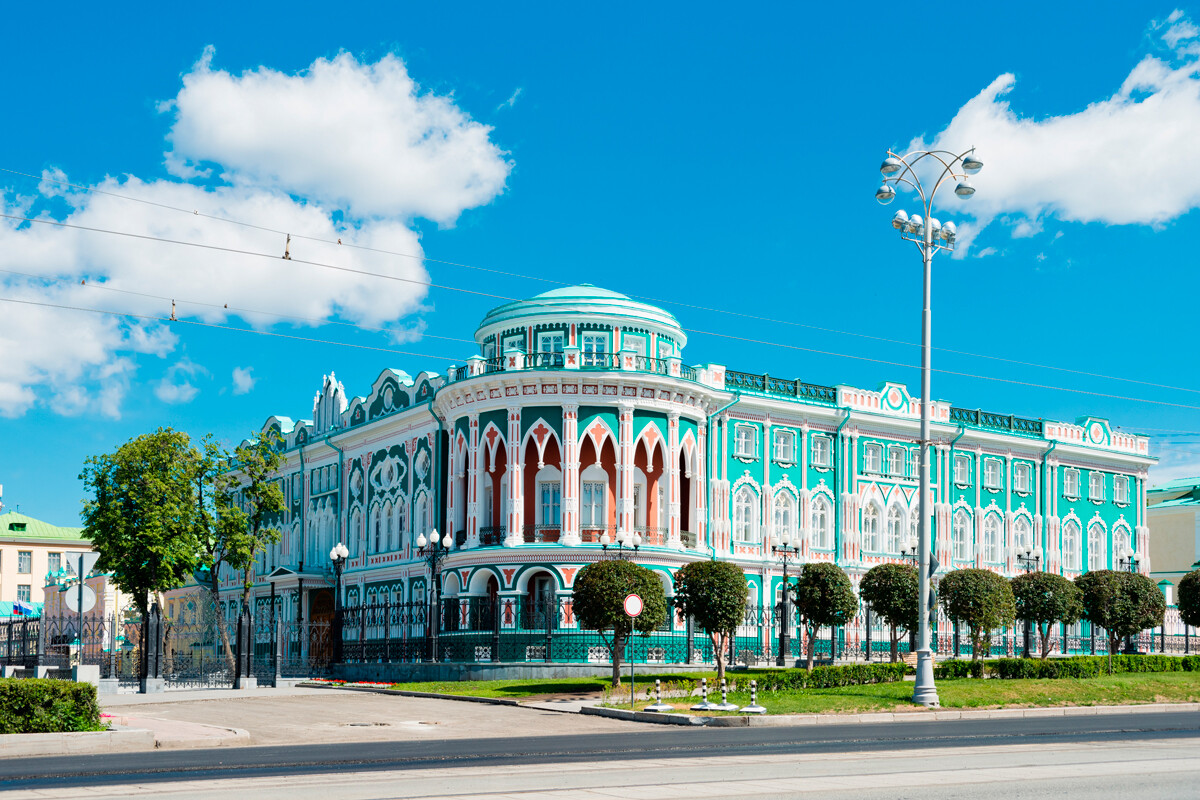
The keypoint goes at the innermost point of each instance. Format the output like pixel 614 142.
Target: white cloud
pixel 359 136
pixel 1131 158
pixel 511 101
pixel 243 380
pixel 413 155
pixel 176 386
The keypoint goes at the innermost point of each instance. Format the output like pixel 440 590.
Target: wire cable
pixel 647 298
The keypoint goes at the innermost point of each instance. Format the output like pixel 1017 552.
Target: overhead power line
pixel 665 301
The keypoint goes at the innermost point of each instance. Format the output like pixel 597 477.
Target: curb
pixel 466 698
pixel 785 720
pixel 116 740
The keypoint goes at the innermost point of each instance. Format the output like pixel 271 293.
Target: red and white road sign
pixel 633 605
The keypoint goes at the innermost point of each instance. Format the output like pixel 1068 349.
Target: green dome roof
pixel 577 304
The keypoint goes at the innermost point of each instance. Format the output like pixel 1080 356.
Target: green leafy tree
pixel 824 597
pixel 1123 603
pixel 250 508
pixel 142 516
pixel 599 604
pixel 891 592
pixel 980 598
pixel 714 594
pixel 1043 599
pixel 1189 598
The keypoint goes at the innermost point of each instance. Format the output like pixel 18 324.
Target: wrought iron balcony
pixel 779 387
pixel 491 535
pixel 541 534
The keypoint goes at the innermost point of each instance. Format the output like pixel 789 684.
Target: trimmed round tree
pixel 1043 599
pixel 1189 598
pixel 980 598
pixel 714 594
pixel 891 592
pixel 599 604
pixel 1123 603
pixel 824 597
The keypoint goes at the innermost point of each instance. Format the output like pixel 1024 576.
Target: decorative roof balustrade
pixel 779 387
pixel 587 362
pixel 996 422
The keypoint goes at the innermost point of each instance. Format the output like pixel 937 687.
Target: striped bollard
pixel 754 707
pixel 704 705
pixel 659 705
pixel 725 704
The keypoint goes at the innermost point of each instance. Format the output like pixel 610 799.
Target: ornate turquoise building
pixel 580 417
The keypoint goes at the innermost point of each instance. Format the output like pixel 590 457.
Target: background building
pixel 31 550
pixel 579 421
pixel 1174 514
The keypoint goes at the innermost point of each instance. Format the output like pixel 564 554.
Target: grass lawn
pixel 517 688
pixel 1122 689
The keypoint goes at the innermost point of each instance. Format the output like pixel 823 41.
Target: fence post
pixel 688 628
pixel 867 617
pixel 336 631
pixel 245 647
pixel 387 629
pixel 496 614
pixel 277 646
pixel 551 611
pixel 1162 637
pixel 152 680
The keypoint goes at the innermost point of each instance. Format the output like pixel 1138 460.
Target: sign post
pixel 633 607
pixel 84 563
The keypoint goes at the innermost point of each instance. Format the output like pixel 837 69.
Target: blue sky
pixel 705 154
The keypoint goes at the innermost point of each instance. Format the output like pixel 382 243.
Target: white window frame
pixel 897 460
pixel 1096 486
pixel 635 342
pixel 894 530
pixel 991 465
pixel 962 476
pixel 1097 555
pixel 1071 544
pixel 515 341
pixel 1071 483
pixel 593 505
pixel 1022 533
pixel 784 516
pixel 992 538
pixel 784 446
pixel 1121 489
pixel 961 535
pixel 821 451
pixel 743 433
pixel 870 529
pixel 873 458
pixel 595 348
pixel 552 504
pixel 745 515
pixel 1021 478
pixel 822 512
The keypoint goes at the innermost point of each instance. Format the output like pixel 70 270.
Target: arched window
pixel 1022 534
pixel 822 531
pixel 354 532
pixel 389 523
pixel 745 515
pixel 991 538
pixel 1121 540
pixel 961 535
pixel 1097 552
pixel 1070 544
pixel 785 516
pixel 421 515
pixel 895 528
pixel 871 529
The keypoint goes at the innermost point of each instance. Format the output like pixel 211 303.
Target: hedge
pixel 823 677
pixel 1074 667
pixel 42 705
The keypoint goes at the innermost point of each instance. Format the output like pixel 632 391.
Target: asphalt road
pixel 665 746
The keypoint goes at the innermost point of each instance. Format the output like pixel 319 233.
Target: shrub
pixel 824 677
pixel 599 603
pixel 980 598
pixel 824 598
pixel 41 705
pixel 891 591
pixel 1123 603
pixel 714 594
pixel 1074 667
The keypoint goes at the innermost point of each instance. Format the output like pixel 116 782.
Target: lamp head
pixel 885 194
pixel 900 219
pixel 964 190
pixel 890 166
pixel 785 539
pixel 971 164
pixel 605 539
pixel 637 540
pixel 421 540
pixel 949 231
pixel 447 540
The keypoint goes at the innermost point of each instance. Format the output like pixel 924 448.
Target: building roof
pixel 21 526
pixel 584 300
pixel 1179 484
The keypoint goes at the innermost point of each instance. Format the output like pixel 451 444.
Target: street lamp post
pixel 337 557
pixel 1029 560
pixel 626 546
pixel 930 236
pixel 911 551
pixel 784 550
pixel 434 551
pixel 1128 563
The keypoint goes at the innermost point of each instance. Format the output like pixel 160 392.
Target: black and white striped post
pixel 754 707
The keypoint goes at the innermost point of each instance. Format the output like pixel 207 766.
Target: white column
pixel 671 474
pixel 570 472
pixel 516 480
pixel 625 469
pixel 473 480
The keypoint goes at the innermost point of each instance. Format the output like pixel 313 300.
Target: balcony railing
pixel 779 387
pixel 690 540
pixel 590 534
pixel 491 535
pixel 541 534
pixel 599 362
pixel 652 537
pixel 460 538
